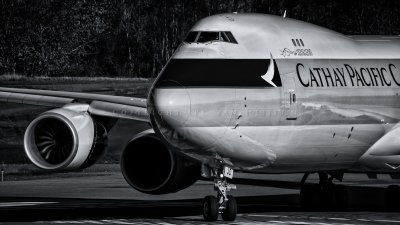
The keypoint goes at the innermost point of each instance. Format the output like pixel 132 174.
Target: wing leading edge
pixel 103 105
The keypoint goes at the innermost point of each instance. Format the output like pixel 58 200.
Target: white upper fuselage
pixel 336 96
pixel 259 34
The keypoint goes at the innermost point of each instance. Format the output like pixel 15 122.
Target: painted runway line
pixel 243 219
pixel 16 204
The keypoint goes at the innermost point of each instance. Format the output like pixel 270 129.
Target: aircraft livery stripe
pixel 217 72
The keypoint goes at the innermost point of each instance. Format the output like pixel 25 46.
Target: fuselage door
pixel 289 98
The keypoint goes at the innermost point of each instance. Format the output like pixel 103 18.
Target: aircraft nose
pixel 172 105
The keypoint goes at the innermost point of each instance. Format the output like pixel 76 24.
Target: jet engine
pixel 65 138
pixel 149 166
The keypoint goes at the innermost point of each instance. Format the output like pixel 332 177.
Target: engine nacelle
pixel 149 166
pixel 65 138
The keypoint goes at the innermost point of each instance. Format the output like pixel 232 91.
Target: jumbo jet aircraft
pixel 243 92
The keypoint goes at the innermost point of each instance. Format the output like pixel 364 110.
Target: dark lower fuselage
pixel 324 115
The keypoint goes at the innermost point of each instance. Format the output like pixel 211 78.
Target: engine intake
pixel 64 138
pixel 149 166
pixel 54 140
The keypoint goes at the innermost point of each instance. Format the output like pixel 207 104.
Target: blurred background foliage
pixel 136 38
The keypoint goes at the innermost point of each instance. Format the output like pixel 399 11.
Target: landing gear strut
pixel 222 204
pixel 326 194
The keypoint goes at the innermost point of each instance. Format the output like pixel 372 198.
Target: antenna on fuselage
pixel 284 14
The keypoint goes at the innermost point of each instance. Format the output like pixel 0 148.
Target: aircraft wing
pixel 103 105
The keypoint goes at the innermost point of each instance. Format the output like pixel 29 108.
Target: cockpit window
pixel 209 36
pixel 191 37
pixel 224 37
pixel 231 37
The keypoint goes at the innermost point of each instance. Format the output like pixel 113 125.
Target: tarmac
pixel 105 198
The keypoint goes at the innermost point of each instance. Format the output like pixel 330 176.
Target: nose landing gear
pixel 222 204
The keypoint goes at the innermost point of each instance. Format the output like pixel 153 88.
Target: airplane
pixel 253 93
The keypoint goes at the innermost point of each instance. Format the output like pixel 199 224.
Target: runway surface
pixel 105 198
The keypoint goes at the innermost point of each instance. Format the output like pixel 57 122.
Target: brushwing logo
pixel 286 52
pixel 269 75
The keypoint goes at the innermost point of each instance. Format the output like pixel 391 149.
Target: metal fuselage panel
pixel 331 103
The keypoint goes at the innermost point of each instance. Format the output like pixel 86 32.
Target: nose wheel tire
pixel 210 208
pixel 230 211
pixel 223 204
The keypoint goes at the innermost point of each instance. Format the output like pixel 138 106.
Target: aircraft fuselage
pixel 286 97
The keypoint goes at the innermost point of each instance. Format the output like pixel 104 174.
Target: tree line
pixel 136 38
